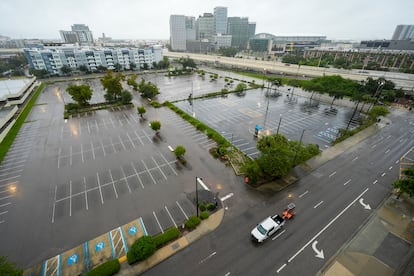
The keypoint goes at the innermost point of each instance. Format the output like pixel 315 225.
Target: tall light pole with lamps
pixel 278 126
pixel 197 178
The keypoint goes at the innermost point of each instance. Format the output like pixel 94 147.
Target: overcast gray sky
pixel 345 19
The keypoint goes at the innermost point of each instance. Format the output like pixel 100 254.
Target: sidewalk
pixel 165 252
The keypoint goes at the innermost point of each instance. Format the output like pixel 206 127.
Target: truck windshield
pixel 261 229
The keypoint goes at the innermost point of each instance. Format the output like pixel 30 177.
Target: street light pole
pixel 300 143
pixel 278 126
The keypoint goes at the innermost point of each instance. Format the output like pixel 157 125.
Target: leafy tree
pixel 132 66
pixel 187 62
pixel 148 90
pixel 80 93
pixel 377 111
pixel 83 68
pixel 240 87
pixel 405 186
pixel 145 66
pixel 141 110
pixel 9 268
pixel 156 126
pixel 101 68
pixel 65 69
pixel 179 151
pixel 164 63
pixel 117 67
pixel 132 81
pixel 112 85
pixel 126 97
pixel 39 73
pixel 228 51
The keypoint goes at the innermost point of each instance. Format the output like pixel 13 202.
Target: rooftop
pixel 11 87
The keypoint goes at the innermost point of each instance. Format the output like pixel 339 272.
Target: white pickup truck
pixel 267 228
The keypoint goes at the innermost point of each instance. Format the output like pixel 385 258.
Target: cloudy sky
pixel 345 19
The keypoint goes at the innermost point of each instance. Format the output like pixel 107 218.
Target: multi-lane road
pixel 332 204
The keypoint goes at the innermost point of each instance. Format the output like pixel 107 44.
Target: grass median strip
pixel 11 135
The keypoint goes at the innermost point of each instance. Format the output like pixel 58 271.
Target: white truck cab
pixel 267 228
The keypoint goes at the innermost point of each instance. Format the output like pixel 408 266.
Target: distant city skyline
pixel 131 19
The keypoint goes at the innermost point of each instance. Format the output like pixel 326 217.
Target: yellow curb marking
pixel 122 259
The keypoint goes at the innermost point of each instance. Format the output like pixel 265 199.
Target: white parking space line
pixel 18 151
pixel 122 143
pixel 356 158
pixel 169 214
pixel 112 121
pixel 159 168
pixel 2 213
pixel 166 161
pixel 59 153
pixel 54 205
pixel 155 216
pixel 249 148
pixel 12 160
pixel 148 171
pixel 93 151
pixel 126 179
pixel 103 148
pixel 5 204
pixel 226 196
pixel 12 172
pixel 70 198
pixel 139 138
pixel 136 173
pixel 97 126
pixel 99 185
pixel 83 161
pixel 130 140
pixel 120 122
pixel 181 208
pixel 86 194
pixel 113 183
pixel 146 135
pixel 6 197
pixel 8 178
pixel 112 143
pixel 240 144
pixel 70 156
pixel 89 129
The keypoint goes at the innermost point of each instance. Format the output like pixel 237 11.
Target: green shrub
pixel 202 207
pixel 211 206
pixel 105 269
pixel 192 222
pixel 72 107
pixel 141 249
pixel 204 215
pixel 169 235
pixel 155 104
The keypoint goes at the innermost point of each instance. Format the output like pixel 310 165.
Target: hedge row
pixel 141 249
pixel 106 269
pixel 169 235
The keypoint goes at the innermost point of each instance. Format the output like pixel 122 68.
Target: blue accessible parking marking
pixel 73 259
pixel 132 230
pixel 99 246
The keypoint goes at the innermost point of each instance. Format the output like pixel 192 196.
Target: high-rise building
pixel 403 32
pixel 80 33
pixel 205 27
pixel 241 30
pixel 220 17
pixel 182 29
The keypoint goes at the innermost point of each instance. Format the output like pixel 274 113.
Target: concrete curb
pixel 167 251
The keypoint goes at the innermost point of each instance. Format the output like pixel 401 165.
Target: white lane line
pixel 148 171
pixel 103 148
pixel 317 205
pixel 113 183
pixel 387 151
pixel 327 226
pixel 155 216
pixel 112 143
pixel 208 257
pixel 200 181
pixel 136 173
pixel 54 206
pixel 226 196
pixel 86 194
pixel 332 174
pixel 396 162
pixel 159 168
pixel 300 196
pixel 60 151
pixel 70 198
pixel 130 140
pixel 347 182
pixel 179 206
pixel 375 182
pixel 166 209
pixel 383 174
pixel 227 274
pixel 99 185
pixel 281 268
pixel 122 143
pixel 146 135
pixel 97 126
pixel 126 179
pixel 89 129
pixel 374 146
pixel 356 158
pixel 139 138
pixel 278 235
pixel 390 168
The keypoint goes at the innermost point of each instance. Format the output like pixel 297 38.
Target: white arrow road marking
pixel 327 226
pixel 366 206
pixel 319 254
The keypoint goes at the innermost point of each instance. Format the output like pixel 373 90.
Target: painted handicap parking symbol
pixel 132 230
pixel 73 259
pixel 99 246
